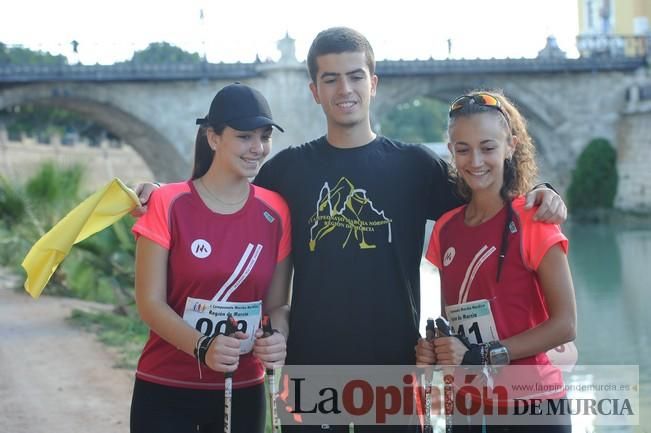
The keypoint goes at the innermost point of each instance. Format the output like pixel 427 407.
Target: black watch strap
pixel 546 185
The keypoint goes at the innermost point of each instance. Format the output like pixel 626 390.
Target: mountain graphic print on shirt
pixel 349 212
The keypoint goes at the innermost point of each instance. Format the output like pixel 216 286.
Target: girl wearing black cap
pixel 208 248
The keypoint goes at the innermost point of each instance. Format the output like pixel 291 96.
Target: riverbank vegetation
pixel 99 269
pixel 594 180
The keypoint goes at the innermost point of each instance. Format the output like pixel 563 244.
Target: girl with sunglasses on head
pixel 500 264
pixel 208 246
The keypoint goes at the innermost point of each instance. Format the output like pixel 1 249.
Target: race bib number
pixel 474 320
pixel 210 318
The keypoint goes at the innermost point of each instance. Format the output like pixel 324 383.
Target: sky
pixel 237 30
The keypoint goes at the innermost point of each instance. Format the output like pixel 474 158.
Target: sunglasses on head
pixel 483 99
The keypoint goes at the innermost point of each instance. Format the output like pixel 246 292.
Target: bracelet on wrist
pixel 198 343
pixel 203 349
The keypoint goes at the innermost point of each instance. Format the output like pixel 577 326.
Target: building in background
pixel 621 17
pixel 613 27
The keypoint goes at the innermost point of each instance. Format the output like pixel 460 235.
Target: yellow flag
pixel 97 212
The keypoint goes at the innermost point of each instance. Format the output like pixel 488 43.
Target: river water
pixel 611 269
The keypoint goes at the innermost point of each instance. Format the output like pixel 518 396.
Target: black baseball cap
pixel 241 107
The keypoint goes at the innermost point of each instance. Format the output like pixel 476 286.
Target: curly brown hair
pixel 521 171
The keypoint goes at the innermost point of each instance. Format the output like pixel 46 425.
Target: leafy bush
pixel 594 180
pixel 12 205
pixel 28 211
pixel 101 268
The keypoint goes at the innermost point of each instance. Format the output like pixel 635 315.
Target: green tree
pixel 43 120
pixel 594 180
pixel 163 52
pixel 422 120
pixel 25 56
pixel 4 54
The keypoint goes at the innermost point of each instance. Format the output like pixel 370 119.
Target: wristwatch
pixel 498 354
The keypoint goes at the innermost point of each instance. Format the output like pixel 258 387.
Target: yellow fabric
pixel 97 212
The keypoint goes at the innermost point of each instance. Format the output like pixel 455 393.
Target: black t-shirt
pixel 358 222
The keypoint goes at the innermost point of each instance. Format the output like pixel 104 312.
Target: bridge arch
pixel 567 102
pixel 158 152
pixel 540 115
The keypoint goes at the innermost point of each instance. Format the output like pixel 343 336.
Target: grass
pixel 126 334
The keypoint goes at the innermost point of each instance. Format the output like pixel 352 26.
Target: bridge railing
pixel 126 71
pixel 598 53
pixel 603 45
pixel 236 71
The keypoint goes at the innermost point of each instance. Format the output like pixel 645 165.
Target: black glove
pixel 476 354
pixel 444 327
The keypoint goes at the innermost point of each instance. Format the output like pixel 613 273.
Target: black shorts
pixel 164 409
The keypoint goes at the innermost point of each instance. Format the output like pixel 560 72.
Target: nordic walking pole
pixel 231 327
pixel 271 380
pixel 430 333
pixel 448 395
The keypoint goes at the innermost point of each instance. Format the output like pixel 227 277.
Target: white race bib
pixel 210 317
pixel 474 320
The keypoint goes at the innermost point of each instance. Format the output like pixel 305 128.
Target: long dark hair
pixel 203 153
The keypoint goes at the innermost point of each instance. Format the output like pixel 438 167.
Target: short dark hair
pixel 337 40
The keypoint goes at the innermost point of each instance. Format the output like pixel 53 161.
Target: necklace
pixel 213 195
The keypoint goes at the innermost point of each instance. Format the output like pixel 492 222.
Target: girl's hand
pixel 224 352
pixel 425 354
pixel 270 350
pixel 449 350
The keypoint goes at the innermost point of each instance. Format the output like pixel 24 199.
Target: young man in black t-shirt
pixel 359 203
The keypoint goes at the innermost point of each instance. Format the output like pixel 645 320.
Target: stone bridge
pixel 567 102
